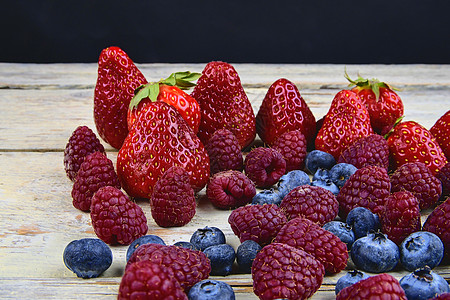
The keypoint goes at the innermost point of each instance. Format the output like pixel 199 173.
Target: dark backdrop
pixel 282 31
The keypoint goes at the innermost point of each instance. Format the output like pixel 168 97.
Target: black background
pixel 280 31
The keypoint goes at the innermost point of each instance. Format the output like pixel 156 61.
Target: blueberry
pixel 423 284
pixel 208 236
pixel 342 230
pixel 321 174
pixel 245 254
pixel 375 253
pixel 222 259
pixel 348 279
pixel 319 159
pixel 420 249
pixel 339 173
pixel 88 257
pixel 292 180
pixel 187 245
pixel 362 221
pixel 267 197
pixel 209 289
pixel 146 239
pixel 326 184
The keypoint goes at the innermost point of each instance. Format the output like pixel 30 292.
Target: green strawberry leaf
pixel 149 90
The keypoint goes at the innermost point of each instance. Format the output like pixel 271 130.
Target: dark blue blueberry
pixel 375 253
pixel 420 249
pixel 222 259
pixel 204 237
pixel 245 254
pixel 319 159
pixel 209 289
pixel 267 197
pixel 348 279
pixel 342 230
pixel 339 173
pixel 146 239
pixel 187 245
pixel 423 284
pixel 362 221
pixel 87 258
pixel 321 174
pixel 326 184
pixel 292 180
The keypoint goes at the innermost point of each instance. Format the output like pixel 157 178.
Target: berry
pixel 230 189
pixel 282 271
pixel 423 283
pixel 148 280
pixel 441 132
pixel 327 185
pixel 146 239
pixel 381 286
pixel 95 172
pixel 438 223
pixel 259 223
pixel 88 257
pixel 173 201
pixel 321 174
pixel 224 152
pixel 311 202
pixel 362 221
pixel 323 245
pixel 245 254
pixel 342 230
pixel 185 244
pixel 291 180
pixel 209 289
pixel 444 176
pixel 416 178
pixel 82 142
pixel 292 146
pixel 319 159
pixel 264 166
pixel 267 197
pixel 205 237
pixel 420 249
pixel 115 218
pixel 443 296
pixel 341 172
pixel 221 258
pixel 375 253
pixel 350 278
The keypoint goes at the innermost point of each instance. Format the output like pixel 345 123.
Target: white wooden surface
pixel 40 106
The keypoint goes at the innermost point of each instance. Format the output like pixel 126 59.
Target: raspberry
pixel 311 202
pixel 230 189
pixel 115 218
pixel 147 280
pixel 95 172
pixel 292 146
pixel 381 286
pixel 369 150
pixel 367 187
pixel 264 166
pixel 281 271
pixel 173 201
pixel 444 176
pixel 224 152
pixel 186 265
pixel 306 235
pixel 259 223
pixel 438 222
pixel 401 216
pixel 416 178
pixel 82 142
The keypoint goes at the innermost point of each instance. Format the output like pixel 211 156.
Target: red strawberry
pixel 159 138
pixel 441 132
pixel 380 286
pixel 382 102
pixel 224 104
pixel 283 109
pixel 409 141
pixel 117 79
pixel 346 121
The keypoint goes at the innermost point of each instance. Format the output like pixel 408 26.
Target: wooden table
pixel 41 105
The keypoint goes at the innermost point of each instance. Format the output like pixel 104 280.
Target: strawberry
pixel 117 79
pixel 382 102
pixel 224 104
pixel 409 141
pixel 346 121
pixel 283 109
pixel 441 131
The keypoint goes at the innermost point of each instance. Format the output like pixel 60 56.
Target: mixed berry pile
pixel 307 198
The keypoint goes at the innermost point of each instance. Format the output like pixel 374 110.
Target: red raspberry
pixel 306 235
pixel 369 150
pixel 186 265
pixel 367 187
pixel 115 218
pixel 259 223
pixel 281 271
pixel 82 142
pixel 95 172
pixel 311 202
pixel 264 166
pixel 438 222
pixel 381 286
pixel 401 216
pixel 224 152
pixel 418 179
pixel 147 280
pixel 444 296
pixel 173 200
pixel 230 189
pixel 444 176
pixel 292 146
